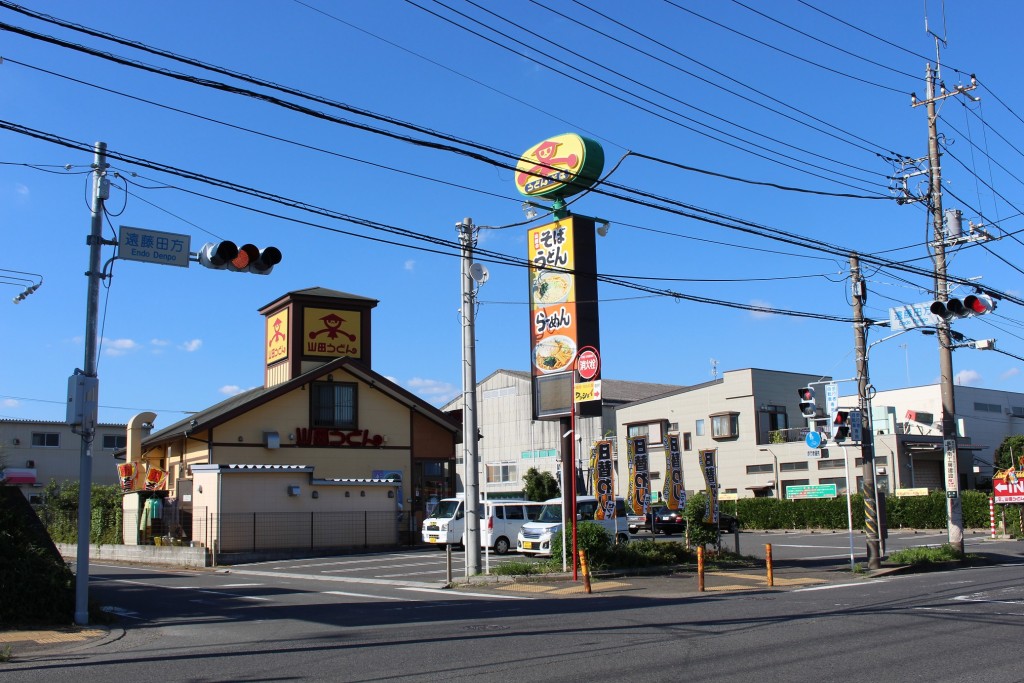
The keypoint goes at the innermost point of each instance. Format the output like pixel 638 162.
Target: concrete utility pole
pixel 954 510
pixel 469 429
pixel 89 406
pixel 867 442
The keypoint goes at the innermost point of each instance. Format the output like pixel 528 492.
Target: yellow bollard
pixel 585 570
pixel 700 568
pixel 768 563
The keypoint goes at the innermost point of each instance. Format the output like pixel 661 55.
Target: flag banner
pixel 675 490
pixel 638 498
pixel 156 479
pixel 707 463
pixel 604 479
pixel 126 475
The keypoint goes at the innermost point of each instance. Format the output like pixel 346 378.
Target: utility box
pixel 83 402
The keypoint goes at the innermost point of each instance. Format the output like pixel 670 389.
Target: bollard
pixel 448 562
pixel 768 563
pixel 585 570
pixel 700 568
pixel 992 515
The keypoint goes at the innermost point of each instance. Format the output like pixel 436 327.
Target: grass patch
pixel 5 653
pixel 919 556
pixel 517 568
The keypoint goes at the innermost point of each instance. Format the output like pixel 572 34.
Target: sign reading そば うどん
pixel 563 315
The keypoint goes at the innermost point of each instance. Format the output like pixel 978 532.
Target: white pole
pixel 849 508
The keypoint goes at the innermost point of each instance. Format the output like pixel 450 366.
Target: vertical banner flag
pixel 604 482
pixel 707 463
pixel 126 475
pixel 638 499
pixel 675 491
pixel 156 478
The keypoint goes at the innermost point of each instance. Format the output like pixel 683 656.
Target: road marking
pixel 839 585
pixel 365 595
pixel 452 593
pixel 340 579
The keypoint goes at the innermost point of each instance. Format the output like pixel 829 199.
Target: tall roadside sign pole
pixel 954 511
pixel 867 444
pixel 83 386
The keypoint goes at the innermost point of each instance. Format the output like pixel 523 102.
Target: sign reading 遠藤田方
pixel 152 246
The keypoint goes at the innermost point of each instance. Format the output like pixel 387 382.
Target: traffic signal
pixel 807 405
pixel 841 426
pixel 971 305
pixel 245 259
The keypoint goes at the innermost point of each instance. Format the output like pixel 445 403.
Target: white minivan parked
pixel 500 522
pixel 535 537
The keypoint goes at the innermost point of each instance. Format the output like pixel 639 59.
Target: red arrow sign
pixel 1005 487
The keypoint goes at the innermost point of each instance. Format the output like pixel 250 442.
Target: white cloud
pixel 119 347
pixel 760 315
pixel 432 389
pixel 230 389
pixel 409 265
pixel 159 342
pixel 1012 372
pixel 192 345
pixel 21 190
pixel 967 378
pixel 11 403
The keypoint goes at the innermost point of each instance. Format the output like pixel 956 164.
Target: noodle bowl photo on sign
pixel 551 287
pixel 554 354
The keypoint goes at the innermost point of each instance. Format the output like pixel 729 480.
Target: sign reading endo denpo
pixel 151 246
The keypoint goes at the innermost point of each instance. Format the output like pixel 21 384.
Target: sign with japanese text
pixel 912 316
pixel 604 479
pixel 331 333
pixel 559 166
pixel 710 469
pixel 151 246
pixel 563 318
pixel 1008 486
pixel 952 473
pixel 638 495
pixel 277 336
pixel 674 492
pixel 812 491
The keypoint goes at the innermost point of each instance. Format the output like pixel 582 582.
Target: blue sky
pixel 728 109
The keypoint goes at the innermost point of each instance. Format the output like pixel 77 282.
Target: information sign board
pixel 812 491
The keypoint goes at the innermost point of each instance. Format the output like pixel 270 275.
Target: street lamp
pixel 778 485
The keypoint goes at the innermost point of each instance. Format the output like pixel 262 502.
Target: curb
pixel 28 645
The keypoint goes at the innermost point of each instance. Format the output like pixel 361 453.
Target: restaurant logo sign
pixel 332 333
pixel 559 166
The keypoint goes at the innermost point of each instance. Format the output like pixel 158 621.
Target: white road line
pixel 367 595
pixel 471 595
pixel 340 579
pixel 837 585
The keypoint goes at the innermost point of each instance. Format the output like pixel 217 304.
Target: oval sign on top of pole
pixel 559 166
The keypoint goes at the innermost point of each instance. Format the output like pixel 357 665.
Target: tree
pixel 539 485
pixel 1009 453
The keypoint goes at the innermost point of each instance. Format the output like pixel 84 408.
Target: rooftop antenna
pixel 714 369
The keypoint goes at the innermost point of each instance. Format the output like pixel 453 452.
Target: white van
pixel 500 521
pixel 535 537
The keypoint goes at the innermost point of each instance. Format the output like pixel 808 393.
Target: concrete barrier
pixel 176 556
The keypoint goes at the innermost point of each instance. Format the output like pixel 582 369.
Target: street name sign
pixel 912 316
pixel 152 246
pixel 812 491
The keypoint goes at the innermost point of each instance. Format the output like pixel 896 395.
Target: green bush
pixel 918 556
pixel 647 553
pixel 59 513
pixel 591 537
pixel 697 532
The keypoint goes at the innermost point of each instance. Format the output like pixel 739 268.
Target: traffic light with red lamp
pixel 970 306
pixel 807 405
pixel 840 426
pixel 245 259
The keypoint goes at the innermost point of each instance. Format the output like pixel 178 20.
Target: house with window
pixel 327 452
pixel 34 452
pixel 512 442
pixel 744 417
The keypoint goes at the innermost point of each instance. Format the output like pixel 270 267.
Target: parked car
pixel 670 522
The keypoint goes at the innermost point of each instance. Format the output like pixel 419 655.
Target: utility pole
pixel 469 429
pixel 84 404
pixel 954 510
pixel 867 442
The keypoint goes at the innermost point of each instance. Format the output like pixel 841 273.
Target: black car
pixel 670 522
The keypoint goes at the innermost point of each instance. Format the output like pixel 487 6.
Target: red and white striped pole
pixel 992 515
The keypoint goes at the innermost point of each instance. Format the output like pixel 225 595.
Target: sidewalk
pixel 29 645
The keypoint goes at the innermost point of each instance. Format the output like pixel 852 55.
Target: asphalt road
pixel 386 617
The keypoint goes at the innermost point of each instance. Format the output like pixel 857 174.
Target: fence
pixel 249 532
